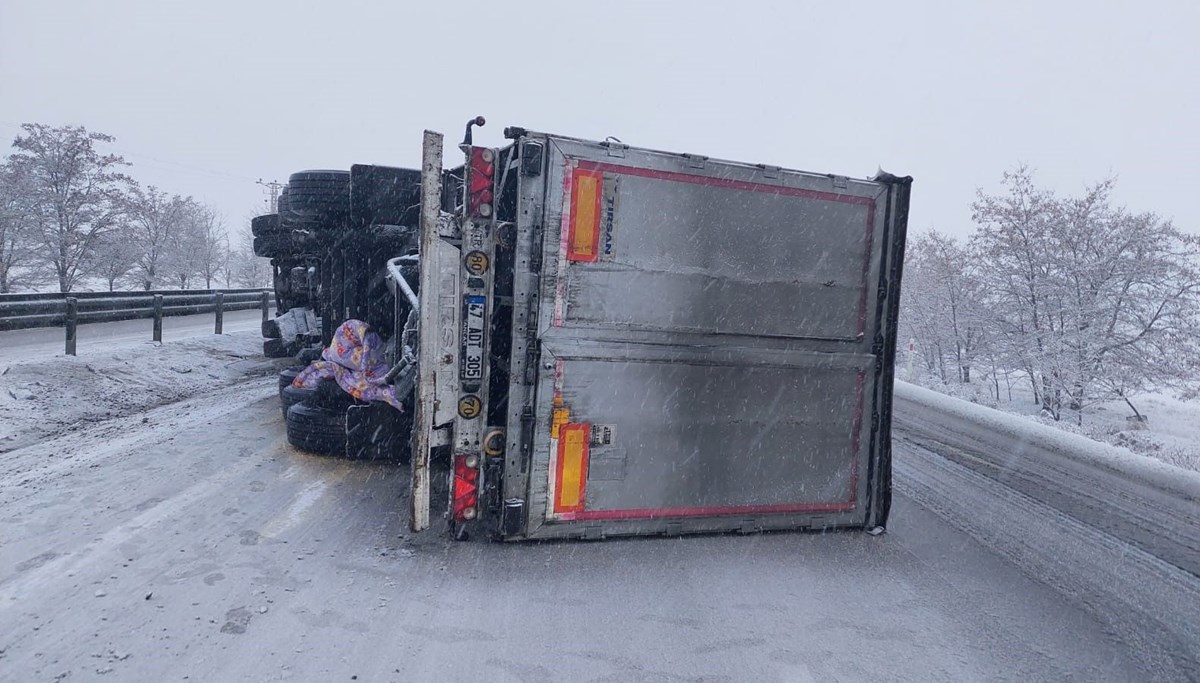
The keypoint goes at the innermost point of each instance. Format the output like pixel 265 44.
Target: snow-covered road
pixel 188 540
pixel 97 338
pixel 1149 505
pixel 1118 532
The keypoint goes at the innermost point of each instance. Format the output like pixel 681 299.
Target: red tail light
pixel 479 185
pixel 465 487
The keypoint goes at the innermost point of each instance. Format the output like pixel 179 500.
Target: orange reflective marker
pixel 586 192
pixel 572 467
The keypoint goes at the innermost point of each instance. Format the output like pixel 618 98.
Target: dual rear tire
pixel 328 421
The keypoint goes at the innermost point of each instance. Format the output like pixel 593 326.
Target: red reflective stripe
pixel 724 182
pixel 856 437
pixel 711 511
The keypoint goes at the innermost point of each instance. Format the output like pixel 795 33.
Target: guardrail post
pixel 72 318
pixel 264 301
pixel 220 309
pixel 158 315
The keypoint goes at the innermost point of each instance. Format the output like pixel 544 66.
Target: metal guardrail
pixel 24 311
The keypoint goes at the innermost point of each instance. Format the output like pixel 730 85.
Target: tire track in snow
pixel 1148 603
pixel 1162 522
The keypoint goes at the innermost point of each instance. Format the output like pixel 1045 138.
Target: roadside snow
pixel 1075 446
pixel 1171 434
pixel 50 395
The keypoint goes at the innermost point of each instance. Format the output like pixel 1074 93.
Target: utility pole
pixel 273 188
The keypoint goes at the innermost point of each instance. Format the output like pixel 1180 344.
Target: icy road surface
pixel 190 541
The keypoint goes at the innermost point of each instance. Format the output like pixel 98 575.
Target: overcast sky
pixel 207 96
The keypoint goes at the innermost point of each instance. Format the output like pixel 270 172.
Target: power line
pixel 187 167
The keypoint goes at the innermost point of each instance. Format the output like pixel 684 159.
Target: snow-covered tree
pixel 15 233
pixel 114 258
pixel 243 268
pixel 1131 301
pixel 942 310
pixel 73 191
pixel 156 220
pixel 209 243
pixel 1010 246
pixel 1090 301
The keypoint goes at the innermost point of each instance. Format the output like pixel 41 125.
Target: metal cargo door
pixel 708 337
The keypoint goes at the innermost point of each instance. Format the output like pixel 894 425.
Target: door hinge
pixel 527 425
pixel 535 248
pixel 531 319
pixel 532 357
pixel 615 148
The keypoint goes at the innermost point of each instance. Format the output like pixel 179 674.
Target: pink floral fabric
pixel 355 360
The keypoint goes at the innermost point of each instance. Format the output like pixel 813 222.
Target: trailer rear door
pixel 706 345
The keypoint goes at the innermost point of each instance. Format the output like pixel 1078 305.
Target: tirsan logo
pixel 610 211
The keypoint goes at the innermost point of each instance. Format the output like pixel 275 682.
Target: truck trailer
pixel 602 340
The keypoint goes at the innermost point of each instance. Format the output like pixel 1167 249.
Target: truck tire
pixel 290 396
pixel 275 348
pixel 278 245
pixel 268 224
pixel 287 375
pixel 384 195
pixel 309 355
pixel 319 175
pixel 316 430
pixel 317 200
pixel 330 395
pixel 270 329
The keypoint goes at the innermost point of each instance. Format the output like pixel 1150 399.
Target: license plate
pixel 472 337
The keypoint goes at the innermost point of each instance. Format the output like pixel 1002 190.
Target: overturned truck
pixel 603 340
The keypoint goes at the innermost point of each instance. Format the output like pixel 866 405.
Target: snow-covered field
pixel 1171 433
pixel 48 395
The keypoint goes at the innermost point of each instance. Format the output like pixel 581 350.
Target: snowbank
pixel 1075 446
pixel 50 395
